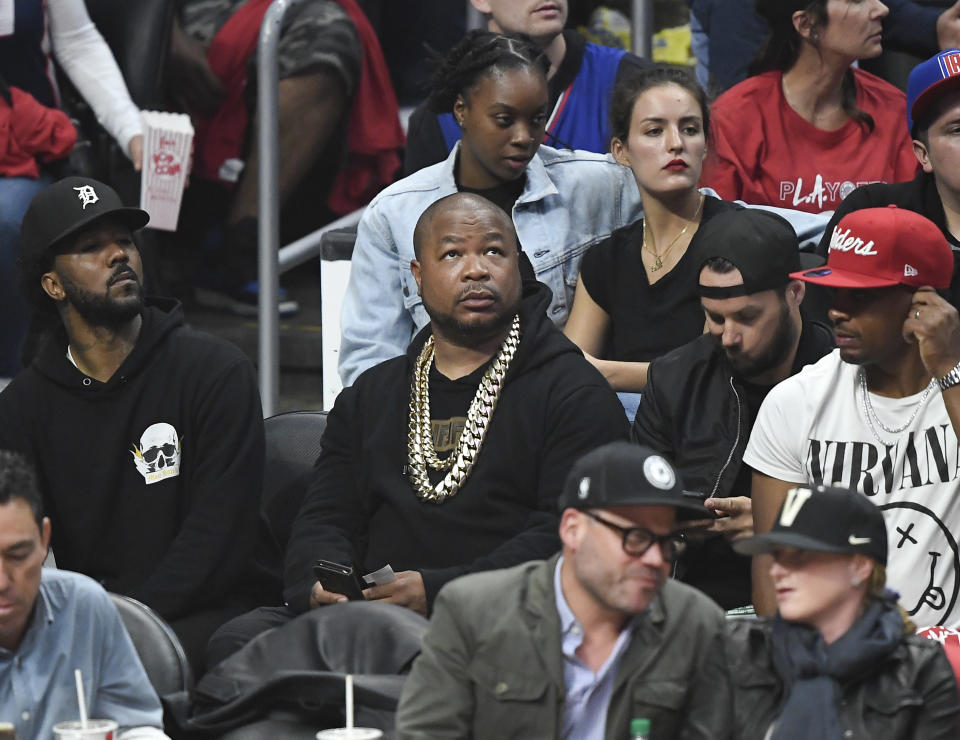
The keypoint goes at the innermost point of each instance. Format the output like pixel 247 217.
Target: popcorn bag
pixel 167 138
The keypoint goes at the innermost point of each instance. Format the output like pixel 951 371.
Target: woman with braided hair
pixel 809 128
pixel 560 202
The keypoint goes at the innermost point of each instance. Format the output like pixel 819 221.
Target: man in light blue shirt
pixel 53 622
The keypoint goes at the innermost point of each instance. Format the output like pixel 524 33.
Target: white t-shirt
pixel 812 428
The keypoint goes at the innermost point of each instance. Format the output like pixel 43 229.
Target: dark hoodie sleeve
pixel 212 553
pixel 650 427
pixel 332 515
pixel 584 418
pixel 14 434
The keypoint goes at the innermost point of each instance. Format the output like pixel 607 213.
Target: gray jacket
pixel 491 665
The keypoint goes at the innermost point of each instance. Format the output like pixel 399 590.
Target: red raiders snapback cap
pixel 879 247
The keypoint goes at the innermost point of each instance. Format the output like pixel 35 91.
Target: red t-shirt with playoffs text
pixel 764 153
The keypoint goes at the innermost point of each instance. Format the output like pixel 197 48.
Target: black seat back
pixel 160 651
pixel 293 444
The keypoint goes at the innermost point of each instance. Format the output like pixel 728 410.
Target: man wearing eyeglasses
pixel 580 645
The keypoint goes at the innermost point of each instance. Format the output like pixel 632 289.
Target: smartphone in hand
pixel 339 579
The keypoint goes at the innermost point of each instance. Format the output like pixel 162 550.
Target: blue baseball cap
pixel 929 80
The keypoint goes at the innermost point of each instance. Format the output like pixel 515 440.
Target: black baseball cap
pixel 625 474
pixel 760 244
pixel 825 519
pixel 69 206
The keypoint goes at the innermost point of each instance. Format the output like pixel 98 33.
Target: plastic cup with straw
pixel 349 732
pixel 85 729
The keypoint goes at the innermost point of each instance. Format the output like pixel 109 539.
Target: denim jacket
pixel 571 200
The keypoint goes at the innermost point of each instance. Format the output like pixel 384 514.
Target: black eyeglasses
pixel 637 540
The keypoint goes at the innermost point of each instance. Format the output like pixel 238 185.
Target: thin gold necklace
pixel 658 264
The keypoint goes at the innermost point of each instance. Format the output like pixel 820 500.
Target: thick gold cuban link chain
pixel 420 449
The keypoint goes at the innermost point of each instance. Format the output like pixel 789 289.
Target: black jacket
pixel 362 509
pixel 695 412
pixel 911 696
pixel 693 409
pixel 919 195
pixel 178 539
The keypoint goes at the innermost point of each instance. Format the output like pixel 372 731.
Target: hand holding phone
pixel 339 579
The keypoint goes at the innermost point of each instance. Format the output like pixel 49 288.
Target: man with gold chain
pixel 448 460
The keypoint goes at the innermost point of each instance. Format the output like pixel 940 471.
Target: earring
pixel 855 581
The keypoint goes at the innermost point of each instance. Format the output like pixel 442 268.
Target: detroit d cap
pixel 930 80
pixel 67 207
pixel 880 247
pixel 825 519
pixel 762 245
pixel 625 474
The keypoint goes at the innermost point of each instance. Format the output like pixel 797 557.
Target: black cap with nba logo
pixel 825 519
pixel 69 206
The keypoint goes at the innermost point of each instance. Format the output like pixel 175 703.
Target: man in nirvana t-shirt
pixel 882 412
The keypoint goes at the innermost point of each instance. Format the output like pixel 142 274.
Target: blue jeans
pixel 15 196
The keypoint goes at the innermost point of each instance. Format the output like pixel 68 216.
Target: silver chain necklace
pixel 871 414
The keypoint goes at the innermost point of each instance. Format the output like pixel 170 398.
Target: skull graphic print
pixel 157 457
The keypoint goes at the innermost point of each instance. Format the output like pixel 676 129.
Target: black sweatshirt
pixel 178 539
pixel 362 509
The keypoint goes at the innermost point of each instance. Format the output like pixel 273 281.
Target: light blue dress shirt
pixel 74 625
pixel 588 693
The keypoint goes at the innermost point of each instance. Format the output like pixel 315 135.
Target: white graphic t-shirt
pixel 812 428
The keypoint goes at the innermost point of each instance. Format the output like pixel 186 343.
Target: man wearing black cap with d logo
pixel 589 643
pixel 701 399
pixel 148 437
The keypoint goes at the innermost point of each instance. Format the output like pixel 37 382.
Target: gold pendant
pixel 657 265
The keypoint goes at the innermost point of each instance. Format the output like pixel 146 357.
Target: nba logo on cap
pixel 949 63
pixel 929 81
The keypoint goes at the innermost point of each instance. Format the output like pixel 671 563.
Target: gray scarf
pixel 812 671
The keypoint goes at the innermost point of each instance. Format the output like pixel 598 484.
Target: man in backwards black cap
pixel 701 399
pixel 148 436
pixel 589 642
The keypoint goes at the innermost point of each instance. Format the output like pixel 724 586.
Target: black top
pixel 504 195
pixel 919 195
pixel 646 320
pixel 695 412
pixel 425 142
pixel 362 509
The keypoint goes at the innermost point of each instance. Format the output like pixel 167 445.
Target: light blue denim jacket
pixel 571 200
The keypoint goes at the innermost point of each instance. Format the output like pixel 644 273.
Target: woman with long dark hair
pixel 637 295
pixel 839 659
pixel 809 128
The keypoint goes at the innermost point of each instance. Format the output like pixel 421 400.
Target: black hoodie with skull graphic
pixel 151 480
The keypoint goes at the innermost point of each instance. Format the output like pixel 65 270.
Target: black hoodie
pixel 178 539
pixel 362 509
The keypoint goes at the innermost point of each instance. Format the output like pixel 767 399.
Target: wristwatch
pixel 950 379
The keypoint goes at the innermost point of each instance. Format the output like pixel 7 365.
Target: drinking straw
pixel 81 700
pixel 349 680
